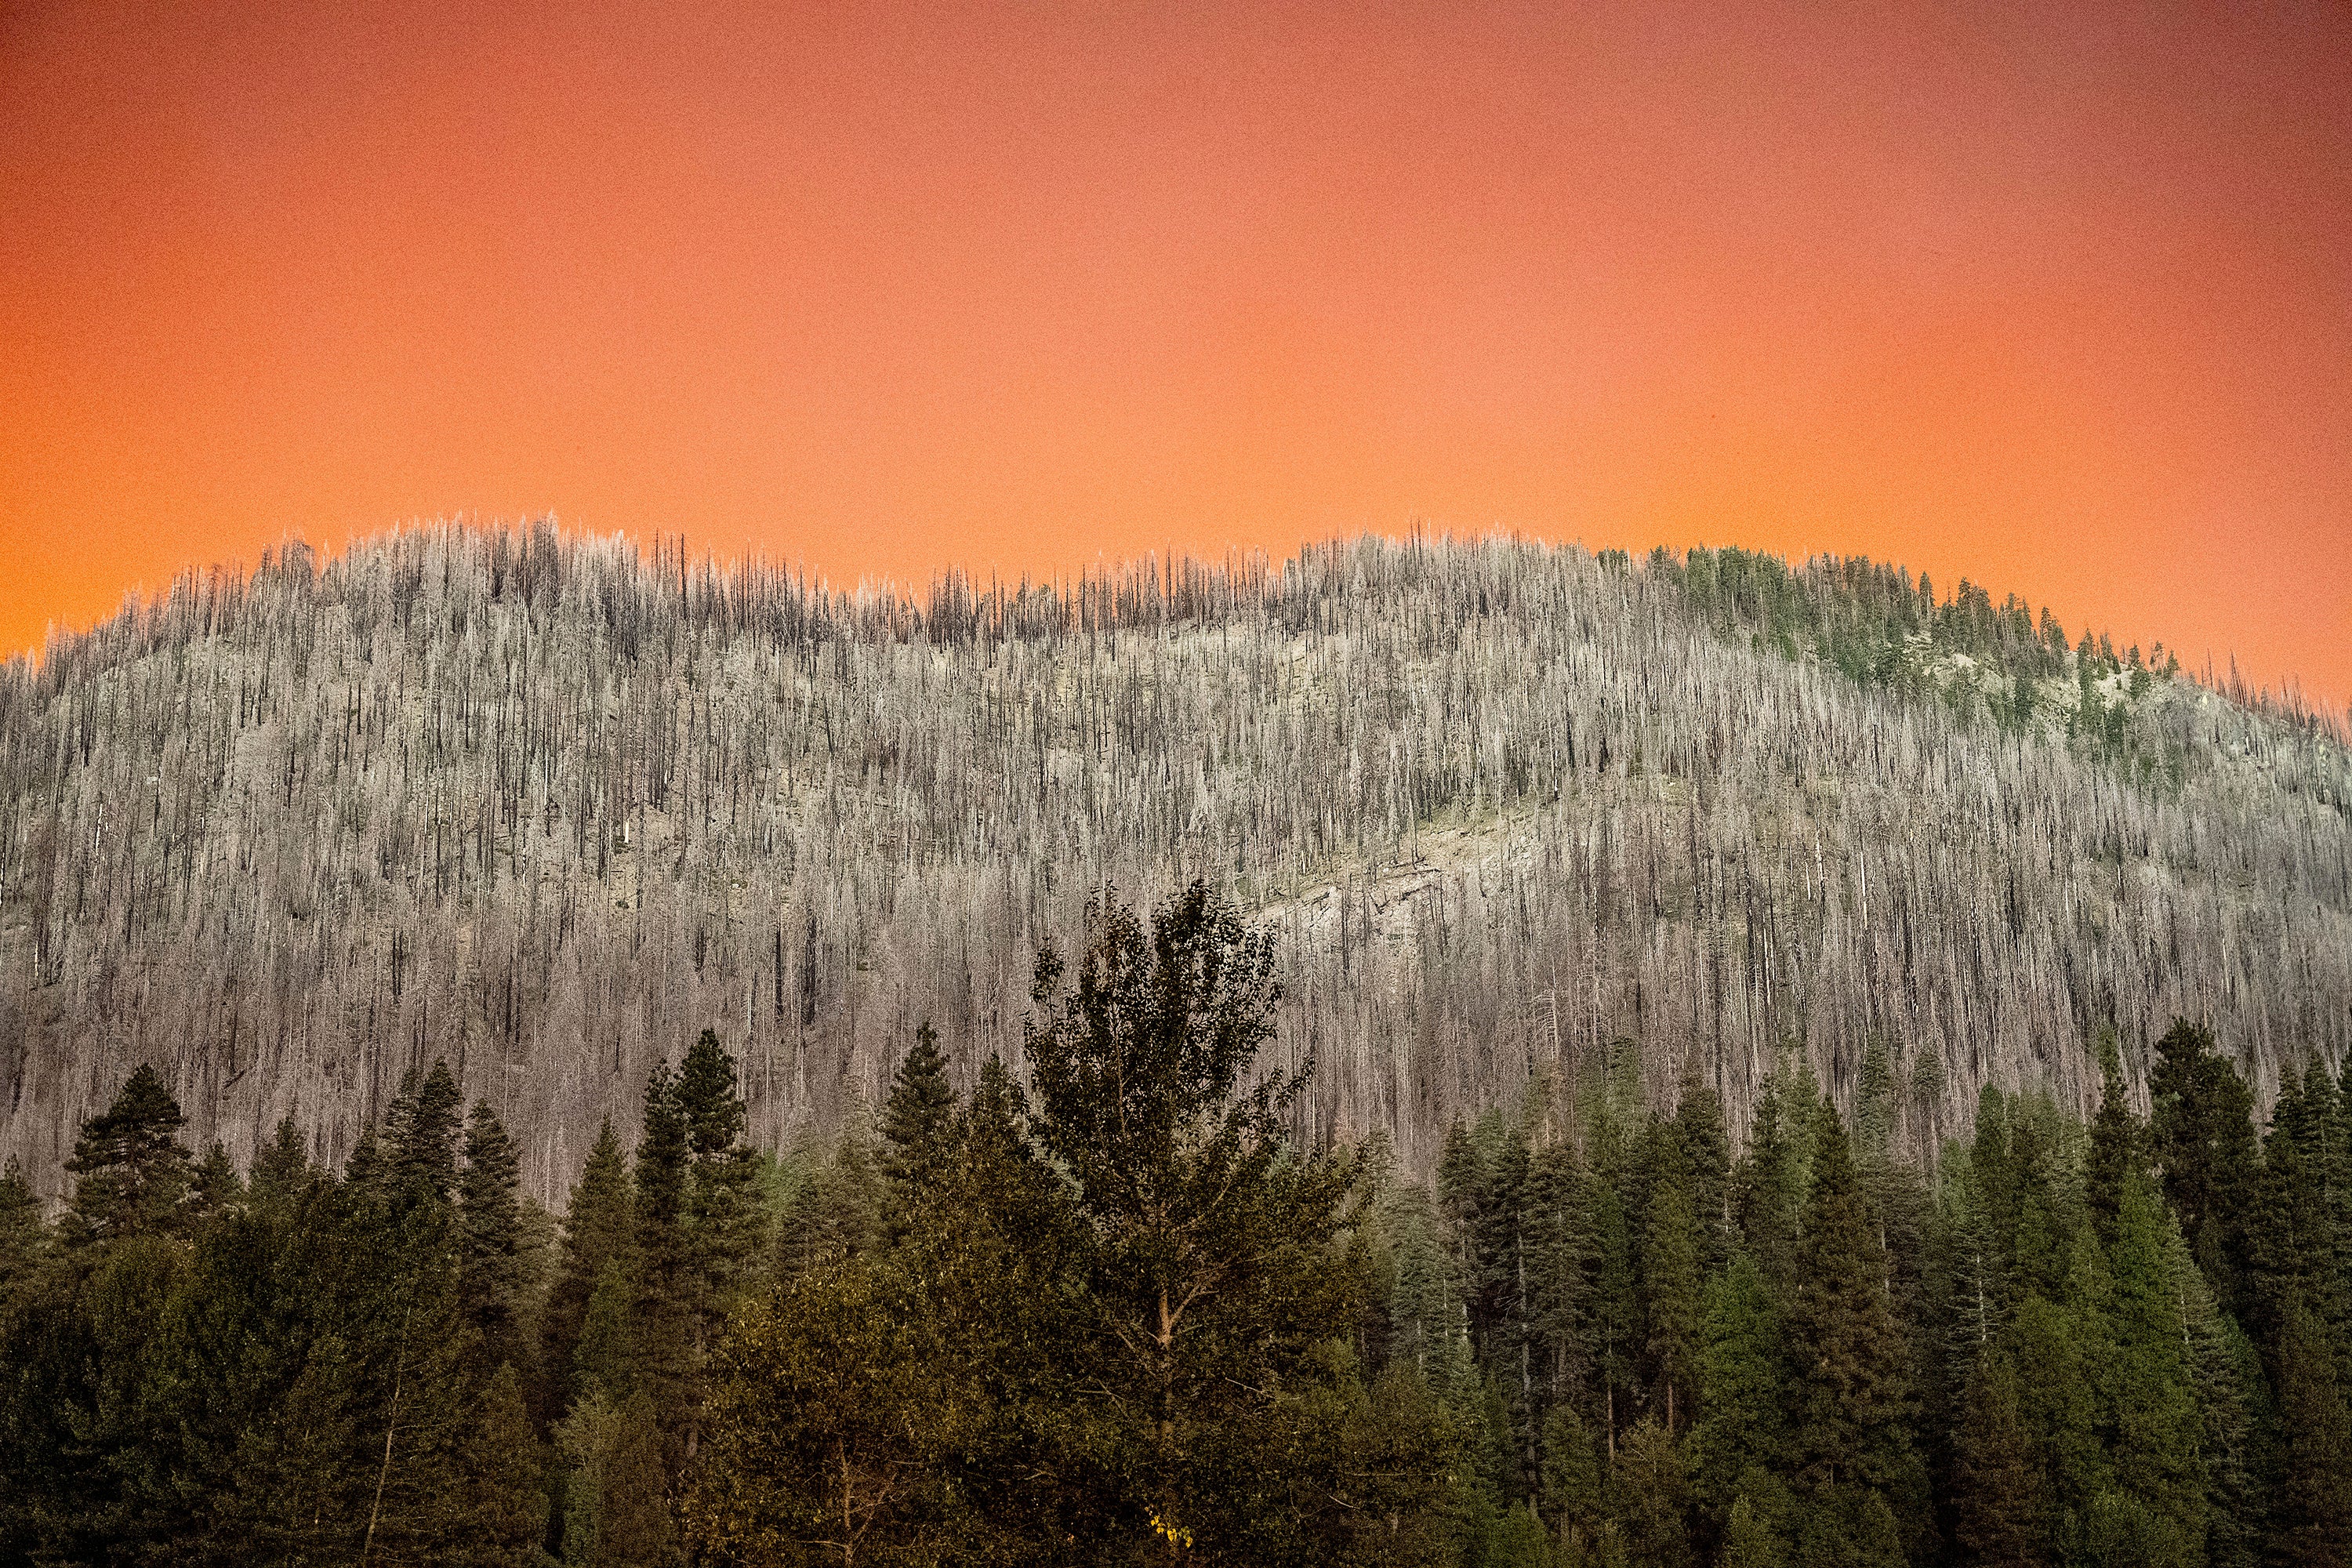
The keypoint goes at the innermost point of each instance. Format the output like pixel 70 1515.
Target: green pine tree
pixel 1995 1492
pixel 24 1233
pixel 1649 1493
pixel 920 1114
pixel 599 1237
pixel 1207 1232
pixel 282 1172
pixel 2155 1442
pixel 1852 1454
pixel 132 1170
pixel 1671 1251
pixel 1744 1424
pixel 491 1262
pixel 2202 1136
pixel 502 1521
pixel 2117 1140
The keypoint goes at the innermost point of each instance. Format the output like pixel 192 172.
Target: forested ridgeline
pixel 1123 1316
pixel 546 808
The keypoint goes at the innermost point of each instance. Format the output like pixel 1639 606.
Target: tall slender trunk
pixel 391 1425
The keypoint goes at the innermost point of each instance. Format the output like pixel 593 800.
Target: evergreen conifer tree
pixel 723 1214
pixel 214 1186
pixel 503 1520
pixel 599 1236
pixel 2202 1136
pixel 1995 1491
pixel 489 1239
pixel 1206 1231
pixel 2156 1443
pixel 420 1138
pixel 1853 1451
pixel 920 1114
pixel 1744 1424
pixel 2116 1139
pixel 282 1171
pixel 1670 1266
pixel 1649 1497
pixel 665 1320
pixel 132 1170
pixel 2311 1519
pixel 23 1231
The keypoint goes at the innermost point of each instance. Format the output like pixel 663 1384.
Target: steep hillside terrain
pixel 546 808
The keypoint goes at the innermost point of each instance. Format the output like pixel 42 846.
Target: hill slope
pixel 546 808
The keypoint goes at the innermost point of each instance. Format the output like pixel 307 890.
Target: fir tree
pixel 724 1219
pixel 1853 1452
pixel 1768 1189
pixel 489 1238
pixel 1556 1228
pixel 614 1512
pixel 132 1170
pixel 599 1236
pixel 23 1232
pixel 2154 1444
pixel 1670 1265
pixel 282 1171
pixel 606 1358
pixel 1571 1496
pixel 2311 1520
pixel 2116 1139
pixel 214 1186
pixel 2202 1136
pixel 420 1138
pixel 1649 1496
pixel 502 1522
pixel 1705 1151
pixel 1206 1231
pixel 1995 1490
pixel 919 1114
pixel 666 1284
pixel 1744 1424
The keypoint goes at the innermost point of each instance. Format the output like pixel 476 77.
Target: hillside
pixel 547 807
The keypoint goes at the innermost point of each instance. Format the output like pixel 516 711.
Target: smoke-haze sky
pixel 2058 298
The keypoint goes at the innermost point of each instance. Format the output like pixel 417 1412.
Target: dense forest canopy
pixel 1125 1316
pixel 545 808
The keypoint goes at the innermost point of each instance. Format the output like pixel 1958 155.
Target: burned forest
pixel 546 808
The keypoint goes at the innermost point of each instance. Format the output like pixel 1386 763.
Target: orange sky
pixel 2055 297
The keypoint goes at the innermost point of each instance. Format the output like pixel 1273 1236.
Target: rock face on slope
pixel 546 808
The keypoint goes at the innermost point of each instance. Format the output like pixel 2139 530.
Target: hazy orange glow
pixel 2055 297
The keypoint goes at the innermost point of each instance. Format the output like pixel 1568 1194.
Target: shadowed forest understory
pixel 1118 1310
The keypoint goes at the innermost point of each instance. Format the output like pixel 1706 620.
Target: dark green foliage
pixel 1128 1319
pixel 2312 1519
pixel 2116 1140
pixel 23 1233
pixel 1745 1424
pixel 599 1241
pixel 1853 1460
pixel 420 1139
pixel 282 1171
pixel 502 1520
pixel 2148 1390
pixel 1207 1235
pixel 2202 1136
pixel 490 1263
pixel 920 1114
pixel 132 1172
pixel 1996 1495
pixel 723 1223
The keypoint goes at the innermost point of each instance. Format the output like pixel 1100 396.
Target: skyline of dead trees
pixel 547 807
